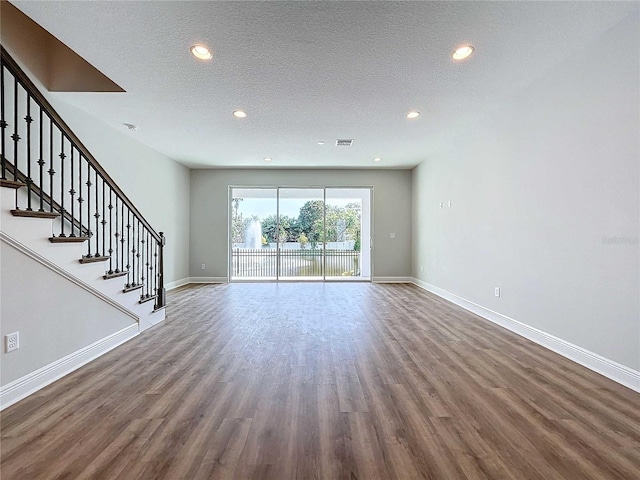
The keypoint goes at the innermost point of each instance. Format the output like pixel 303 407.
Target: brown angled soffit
pixel 56 66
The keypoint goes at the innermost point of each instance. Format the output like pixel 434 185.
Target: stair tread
pixel 94 259
pixel 131 288
pixel 107 276
pixel 34 214
pixel 147 299
pixel 11 184
pixel 68 239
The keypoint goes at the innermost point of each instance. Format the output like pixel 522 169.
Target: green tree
pixel 277 232
pixel 310 221
pixel 303 241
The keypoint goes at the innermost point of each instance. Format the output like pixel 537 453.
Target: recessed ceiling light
pixel 130 126
pixel 267 159
pixel 463 52
pixel 320 142
pixel 201 52
pixel 413 114
pixel 239 113
pixel 377 159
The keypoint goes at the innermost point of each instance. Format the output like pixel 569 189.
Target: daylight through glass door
pixel 300 234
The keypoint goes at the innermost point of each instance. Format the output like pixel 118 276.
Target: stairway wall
pixel 55 317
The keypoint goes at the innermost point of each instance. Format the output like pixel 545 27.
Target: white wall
pixel 54 316
pixel 540 186
pixel 209 212
pixel 157 185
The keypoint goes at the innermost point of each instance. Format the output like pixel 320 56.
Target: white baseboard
pixel 207 279
pixel 618 373
pixel 392 279
pixel 177 283
pixel 34 381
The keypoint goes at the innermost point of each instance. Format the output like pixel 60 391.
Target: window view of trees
pixel 342 225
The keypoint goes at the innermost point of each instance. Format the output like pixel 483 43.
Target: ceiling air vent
pixel 344 142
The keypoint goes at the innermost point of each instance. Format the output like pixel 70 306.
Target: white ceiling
pixel 311 71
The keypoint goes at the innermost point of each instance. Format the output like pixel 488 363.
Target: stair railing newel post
pixel 160 302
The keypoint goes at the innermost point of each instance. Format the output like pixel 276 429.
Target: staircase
pixel 61 208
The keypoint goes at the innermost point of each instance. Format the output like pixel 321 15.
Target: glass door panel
pixel 253 215
pixel 301 233
pixel 348 234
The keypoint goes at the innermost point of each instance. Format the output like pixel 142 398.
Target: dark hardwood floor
pixel 324 381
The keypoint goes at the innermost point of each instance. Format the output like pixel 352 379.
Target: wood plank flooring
pixel 324 381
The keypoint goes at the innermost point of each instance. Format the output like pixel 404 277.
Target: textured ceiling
pixel 312 71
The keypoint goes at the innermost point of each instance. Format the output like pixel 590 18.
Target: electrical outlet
pixel 12 341
pixel 497 291
pixel 441 204
pixel 203 267
pixel 449 204
pixel 392 235
pixel 421 269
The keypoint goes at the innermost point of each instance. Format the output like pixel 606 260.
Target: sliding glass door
pixel 254 216
pixel 300 234
pixel 348 234
pixel 301 215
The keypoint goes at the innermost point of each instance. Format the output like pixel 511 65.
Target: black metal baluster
pixel 148 246
pixel 117 237
pixel 80 199
pixel 41 161
pixel 89 233
pixel 29 180
pixel 104 218
pixel 51 171
pixel 15 136
pixel 72 194
pixel 141 259
pixel 110 231
pixel 62 157
pixel 3 123
pixel 129 272
pixel 122 239
pixel 140 278
pixel 97 217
